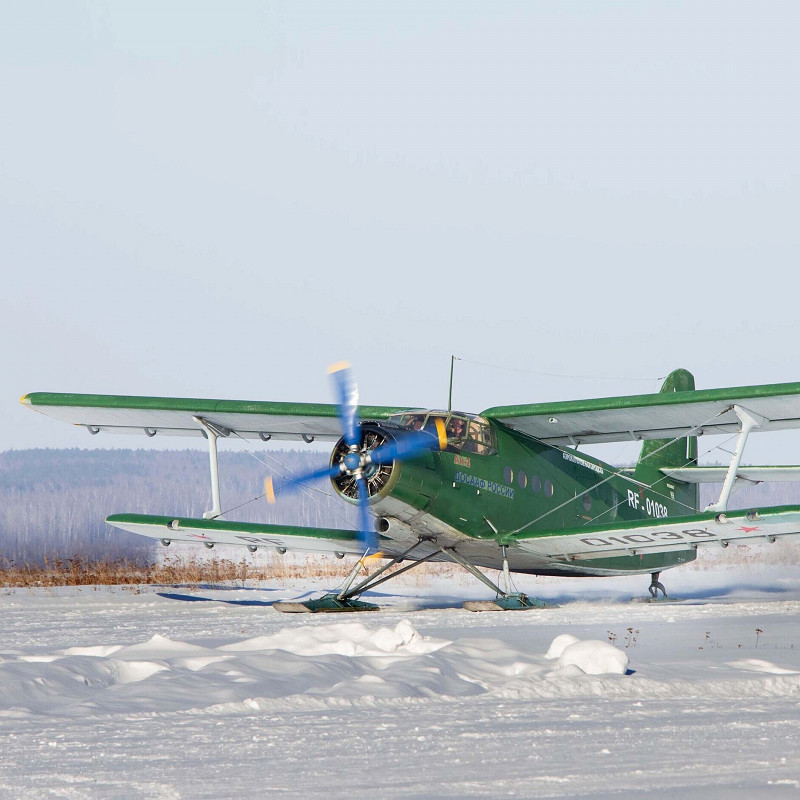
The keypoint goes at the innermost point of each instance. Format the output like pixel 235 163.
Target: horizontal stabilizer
pixel 717 474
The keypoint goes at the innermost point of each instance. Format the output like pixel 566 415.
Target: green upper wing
pixel 653 416
pixel 610 419
pixel 176 416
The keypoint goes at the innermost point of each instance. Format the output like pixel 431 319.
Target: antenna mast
pixel 453 359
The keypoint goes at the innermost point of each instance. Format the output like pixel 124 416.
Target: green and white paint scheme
pixel 510 491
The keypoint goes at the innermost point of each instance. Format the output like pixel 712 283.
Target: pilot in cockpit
pixel 456 431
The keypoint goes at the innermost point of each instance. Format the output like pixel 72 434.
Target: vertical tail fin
pixel 658 453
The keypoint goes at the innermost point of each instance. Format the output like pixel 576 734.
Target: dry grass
pixel 194 571
pixel 81 571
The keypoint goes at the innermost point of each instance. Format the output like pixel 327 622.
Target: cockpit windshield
pixel 466 433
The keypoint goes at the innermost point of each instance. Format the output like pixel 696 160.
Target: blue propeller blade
pixel 289 485
pixel 365 527
pixel 346 392
pixel 406 447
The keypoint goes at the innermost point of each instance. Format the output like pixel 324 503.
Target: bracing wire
pixel 617 473
pixel 659 493
pixel 307 491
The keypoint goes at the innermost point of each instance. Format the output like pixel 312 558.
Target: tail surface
pixel 658 453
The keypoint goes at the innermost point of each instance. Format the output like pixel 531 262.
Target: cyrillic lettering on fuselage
pixel 484 485
pixel 582 462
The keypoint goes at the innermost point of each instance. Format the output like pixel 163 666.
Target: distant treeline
pixel 53 503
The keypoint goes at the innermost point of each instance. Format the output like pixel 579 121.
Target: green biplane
pixel 506 489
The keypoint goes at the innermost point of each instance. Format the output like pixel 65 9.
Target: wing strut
pixel 749 420
pixel 211 432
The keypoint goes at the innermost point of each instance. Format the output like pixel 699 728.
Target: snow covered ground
pixel 174 693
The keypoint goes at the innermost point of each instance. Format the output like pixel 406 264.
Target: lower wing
pixel 250 534
pixel 588 550
pixel 660 536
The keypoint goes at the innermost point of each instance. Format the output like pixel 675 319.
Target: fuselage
pixel 501 484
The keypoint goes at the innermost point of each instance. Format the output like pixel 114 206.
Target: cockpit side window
pixel 465 433
pixel 481 438
pixel 412 422
pixel 456 429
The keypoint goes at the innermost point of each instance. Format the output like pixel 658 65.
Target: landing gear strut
pixel 506 600
pixel 345 599
pixel 655 585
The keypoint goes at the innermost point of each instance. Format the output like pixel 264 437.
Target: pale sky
pixel 220 199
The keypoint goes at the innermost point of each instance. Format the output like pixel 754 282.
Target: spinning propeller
pixel 361 461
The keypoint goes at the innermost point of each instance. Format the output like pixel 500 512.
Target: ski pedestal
pixel 344 600
pixel 505 599
pixel 511 602
pixel 327 604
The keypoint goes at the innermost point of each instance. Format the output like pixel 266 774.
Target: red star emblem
pixel 748 530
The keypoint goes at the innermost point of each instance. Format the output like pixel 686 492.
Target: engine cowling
pixel 379 478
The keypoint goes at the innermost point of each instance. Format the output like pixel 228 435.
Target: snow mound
pixel 338 664
pixel 344 639
pixel 158 647
pixel 559 644
pixel 593 657
pixel 135 671
pixel 759 665
pixel 99 651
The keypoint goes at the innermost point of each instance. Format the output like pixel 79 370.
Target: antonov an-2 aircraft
pixel 504 489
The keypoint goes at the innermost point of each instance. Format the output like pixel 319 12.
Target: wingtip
pixel 25 399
